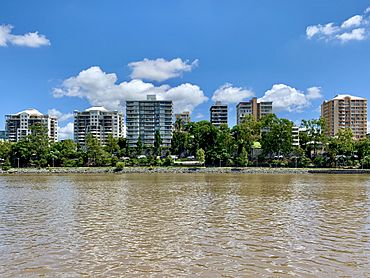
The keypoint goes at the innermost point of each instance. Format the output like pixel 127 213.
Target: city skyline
pixel 319 51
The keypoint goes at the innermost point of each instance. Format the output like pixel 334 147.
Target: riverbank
pixel 181 170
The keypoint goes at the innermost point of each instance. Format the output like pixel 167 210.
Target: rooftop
pixel 348 96
pixel 96 108
pixel 31 112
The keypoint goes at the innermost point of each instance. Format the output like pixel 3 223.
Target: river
pixel 208 225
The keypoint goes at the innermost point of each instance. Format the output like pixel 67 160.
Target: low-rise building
pixel 219 114
pixel 19 125
pixel 100 123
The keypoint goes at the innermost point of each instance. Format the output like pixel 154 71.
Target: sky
pixel 61 56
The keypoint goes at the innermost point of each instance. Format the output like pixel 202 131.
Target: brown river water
pixel 166 225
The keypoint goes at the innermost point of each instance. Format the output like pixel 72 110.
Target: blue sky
pixel 296 53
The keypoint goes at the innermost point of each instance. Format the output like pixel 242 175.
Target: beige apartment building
pixel 345 111
pixel 254 108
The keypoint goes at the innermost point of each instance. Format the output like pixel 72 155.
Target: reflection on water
pixel 172 225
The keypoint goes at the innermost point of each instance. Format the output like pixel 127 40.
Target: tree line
pixel 268 142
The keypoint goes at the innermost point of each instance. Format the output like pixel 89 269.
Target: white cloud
pixel 354 35
pixel 368 126
pixel 33 39
pixel 354 21
pixel 59 115
pixel 160 69
pixel 101 89
pixel 229 95
pixel 286 98
pixel 314 93
pixel 65 132
pixel 355 28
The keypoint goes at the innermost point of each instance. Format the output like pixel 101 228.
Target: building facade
pixel 3 136
pixel 184 117
pixel 295 136
pixel 145 117
pixel 19 125
pixel 345 111
pixel 218 114
pixel 99 122
pixel 254 108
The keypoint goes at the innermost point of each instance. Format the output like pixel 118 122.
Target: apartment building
pixel 145 117
pixel 254 108
pixel 3 136
pixel 184 117
pixel 218 114
pixel 295 136
pixel 19 125
pixel 345 111
pixel 99 122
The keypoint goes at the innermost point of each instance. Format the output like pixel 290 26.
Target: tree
pixel 112 146
pixel 157 143
pixel 242 159
pixel 139 146
pixel 245 133
pixel 314 135
pixel 276 136
pixel 201 156
pixel 96 156
pixel 39 144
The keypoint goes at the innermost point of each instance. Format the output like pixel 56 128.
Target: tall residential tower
pixel 254 108
pixel 218 114
pixel 345 111
pixel 99 122
pixel 145 117
pixel 19 125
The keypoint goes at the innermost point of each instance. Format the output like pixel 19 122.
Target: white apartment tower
pixel 145 117
pixel 98 122
pixel 18 125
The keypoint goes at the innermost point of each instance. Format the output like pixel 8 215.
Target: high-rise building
pixel 18 125
pixel 345 111
pixel 3 135
pixel 184 117
pixel 218 114
pixel 145 117
pixel 254 108
pixel 99 122
pixel 295 136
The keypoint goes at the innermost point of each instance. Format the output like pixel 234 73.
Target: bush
pixel 119 166
pixel 168 161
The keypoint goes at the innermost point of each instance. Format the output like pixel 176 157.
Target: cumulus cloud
pixel 101 89
pixel 59 115
pixel 33 39
pixel 230 95
pixel 160 69
pixel 286 98
pixel 65 132
pixel 356 28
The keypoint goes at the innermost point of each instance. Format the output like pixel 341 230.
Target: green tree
pixel 242 159
pixel 139 146
pixel 276 136
pixel 157 143
pixel 201 156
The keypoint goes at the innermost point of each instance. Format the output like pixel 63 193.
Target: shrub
pixel 119 166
